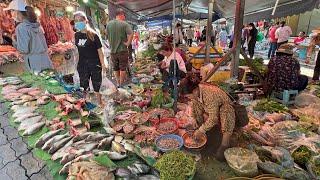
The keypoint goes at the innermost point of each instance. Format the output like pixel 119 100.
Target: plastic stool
pixel 285 97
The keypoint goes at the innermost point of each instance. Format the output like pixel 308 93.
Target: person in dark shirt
pixel 253 33
pixel 284 72
pixel 91 57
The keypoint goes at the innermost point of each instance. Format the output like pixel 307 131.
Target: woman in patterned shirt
pixel 284 72
pixel 211 106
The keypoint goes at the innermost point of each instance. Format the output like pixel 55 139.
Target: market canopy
pixel 254 9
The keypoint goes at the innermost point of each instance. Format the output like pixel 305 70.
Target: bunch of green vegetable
pixel 267 105
pixel 159 99
pixel 257 62
pixel 149 53
pixel 175 165
pixel 302 155
pixel 315 165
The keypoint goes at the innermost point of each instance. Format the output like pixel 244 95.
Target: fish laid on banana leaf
pixel 33 129
pixel 58 145
pixel 25 117
pixel 45 137
pixel 83 136
pixel 53 140
pixel 61 152
pixel 117 147
pixel 105 142
pixel 26 124
pixel 95 137
pixel 23 110
pixel 112 155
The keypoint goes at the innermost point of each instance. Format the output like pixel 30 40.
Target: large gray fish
pixel 82 136
pixel 33 129
pixel 25 116
pixel 88 147
pixel 68 157
pixel 20 102
pixel 105 142
pixel 95 137
pixel 51 141
pixel 26 124
pixel 56 146
pixel 61 152
pixel 23 110
pixel 45 137
pixel 65 168
pixel 111 155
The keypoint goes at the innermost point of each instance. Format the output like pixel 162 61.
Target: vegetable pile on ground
pixel 175 165
pixel 270 106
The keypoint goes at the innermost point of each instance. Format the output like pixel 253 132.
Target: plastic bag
pixel 107 87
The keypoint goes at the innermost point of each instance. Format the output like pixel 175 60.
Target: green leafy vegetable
pixel 104 160
pixel 175 165
pixel 267 105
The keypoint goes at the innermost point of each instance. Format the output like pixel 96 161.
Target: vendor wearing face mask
pixel 30 40
pixel 91 57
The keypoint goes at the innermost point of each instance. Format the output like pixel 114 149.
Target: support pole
pixel 175 83
pixel 209 29
pixel 237 37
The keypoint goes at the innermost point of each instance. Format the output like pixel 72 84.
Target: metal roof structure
pixel 254 9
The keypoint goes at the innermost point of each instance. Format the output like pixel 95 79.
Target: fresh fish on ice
pixel 33 129
pixel 45 137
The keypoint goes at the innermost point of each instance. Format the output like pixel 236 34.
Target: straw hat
pixel 317 30
pixel 286 48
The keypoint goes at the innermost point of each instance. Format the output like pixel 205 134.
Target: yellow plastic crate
pixel 199 59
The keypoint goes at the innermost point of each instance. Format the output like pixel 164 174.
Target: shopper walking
pixel 120 36
pixel 178 34
pixel 29 40
pixel 91 57
pixel 272 40
pixel 252 40
pixel 190 36
pixel 283 34
pixel 315 42
pixel 197 36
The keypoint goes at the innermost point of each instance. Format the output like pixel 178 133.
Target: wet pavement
pixel 16 159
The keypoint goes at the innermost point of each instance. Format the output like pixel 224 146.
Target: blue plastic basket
pixel 172 136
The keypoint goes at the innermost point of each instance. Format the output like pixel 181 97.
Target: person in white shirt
pixel 166 66
pixel 178 34
pixel 190 36
pixel 283 34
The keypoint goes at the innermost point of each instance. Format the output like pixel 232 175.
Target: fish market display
pixel 85 170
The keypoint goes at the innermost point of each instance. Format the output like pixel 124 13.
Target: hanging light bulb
pixel 69 8
pixel 37 12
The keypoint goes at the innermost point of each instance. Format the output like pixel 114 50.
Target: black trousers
pixel 251 46
pixel 189 42
pixel 303 83
pixel 87 71
pixel 316 73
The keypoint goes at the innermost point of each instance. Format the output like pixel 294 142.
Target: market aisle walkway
pixel 16 159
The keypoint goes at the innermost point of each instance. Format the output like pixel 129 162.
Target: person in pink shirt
pixel 272 40
pixel 283 34
pixel 197 35
pixel 300 38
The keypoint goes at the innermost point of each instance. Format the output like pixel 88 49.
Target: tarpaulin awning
pixel 257 9
pixel 159 23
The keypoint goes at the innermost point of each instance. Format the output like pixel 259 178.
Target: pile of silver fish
pixel 29 120
pixel 137 171
pixel 70 149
